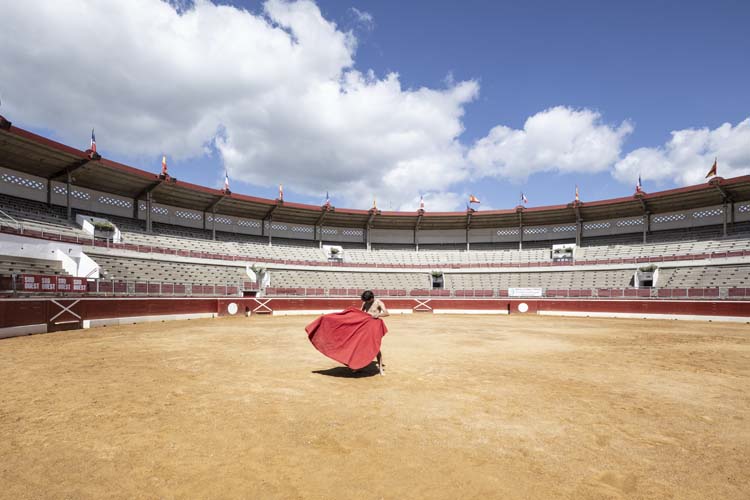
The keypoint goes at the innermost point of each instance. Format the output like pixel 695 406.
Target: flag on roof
pixel 638 186
pixel 473 199
pixel 712 172
pixel 93 141
pixel 164 165
pixel 281 192
pixel 421 202
pixel 374 203
pixel 577 198
pixel 226 181
pixel 328 200
pixel 524 200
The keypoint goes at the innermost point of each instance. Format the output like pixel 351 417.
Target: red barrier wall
pixel 65 313
pixel 103 308
pixel 698 308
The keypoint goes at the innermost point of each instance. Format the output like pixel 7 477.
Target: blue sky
pixel 627 74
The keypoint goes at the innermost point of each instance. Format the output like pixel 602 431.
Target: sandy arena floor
pixel 471 407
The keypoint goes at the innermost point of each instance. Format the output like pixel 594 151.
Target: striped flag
pixel 226 181
pixel 473 199
pixel 164 166
pixel 281 192
pixel 524 200
pixel 577 198
pixel 93 141
pixel 421 202
pixel 328 200
pixel 712 172
pixel 638 187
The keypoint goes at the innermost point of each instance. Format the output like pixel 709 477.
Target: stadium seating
pixel 36 216
pixel 338 279
pixel 705 277
pixel 120 268
pixel 10 265
pixel 555 280
pixel 626 251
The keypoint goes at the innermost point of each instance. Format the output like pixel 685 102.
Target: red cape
pixel 351 337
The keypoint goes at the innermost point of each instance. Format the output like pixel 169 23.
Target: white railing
pixel 13 222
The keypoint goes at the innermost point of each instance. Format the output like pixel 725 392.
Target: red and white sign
pixel 49 283
pixel 29 283
pixel 40 283
pixel 69 284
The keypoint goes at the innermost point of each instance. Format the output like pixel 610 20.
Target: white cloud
pixel 689 154
pixel 558 139
pixel 364 18
pixel 275 92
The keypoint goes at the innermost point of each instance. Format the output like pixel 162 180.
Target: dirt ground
pixel 471 407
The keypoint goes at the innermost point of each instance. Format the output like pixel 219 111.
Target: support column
pixel 367 238
pixel 579 232
pixel 416 239
pixel 520 231
pixel 468 245
pixel 67 195
pixel 49 192
pixel 270 230
pixel 646 226
pixel 725 217
pixel 149 211
pixel 213 224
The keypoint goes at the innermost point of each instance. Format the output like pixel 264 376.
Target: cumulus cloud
pixel 273 92
pixel 689 154
pixel 559 139
pixel 276 96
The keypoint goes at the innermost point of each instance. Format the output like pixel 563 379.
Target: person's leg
pixel 381 366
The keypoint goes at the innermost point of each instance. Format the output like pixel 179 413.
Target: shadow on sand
pixel 344 372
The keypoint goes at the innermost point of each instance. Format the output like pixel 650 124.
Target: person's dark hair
pixel 367 297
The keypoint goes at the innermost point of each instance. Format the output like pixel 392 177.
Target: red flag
pixel 712 172
pixel 281 192
pixel 93 141
pixel 164 165
pixel 577 199
pixel 473 199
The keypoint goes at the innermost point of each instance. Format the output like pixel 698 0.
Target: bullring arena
pixel 489 407
pixel 153 344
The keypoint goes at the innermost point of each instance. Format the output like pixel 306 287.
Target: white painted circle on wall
pixel 232 308
pixel 523 307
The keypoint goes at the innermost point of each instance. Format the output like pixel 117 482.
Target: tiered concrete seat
pixel 705 277
pixel 576 280
pixel 335 279
pixel 10 265
pixel 121 268
pixel 37 216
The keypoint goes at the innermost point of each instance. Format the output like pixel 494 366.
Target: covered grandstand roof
pixel 36 155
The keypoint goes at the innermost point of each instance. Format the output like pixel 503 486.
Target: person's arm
pixel 382 312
